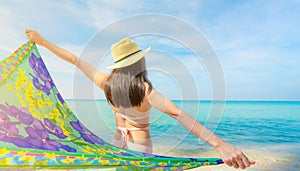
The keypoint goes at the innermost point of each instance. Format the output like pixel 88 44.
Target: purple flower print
pixel 14 120
pixel 4 108
pixel 4 119
pixel 39 86
pixel 10 133
pixel 68 148
pixel 41 73
pixel 33 60
pixel 45 144
pixel 10 110
pixel 18 141
pixel 60 98
pixel 86 134
pixel 22 114
pixel 9 129
pixel 37 124
pixel 36 82
pixel 39 67
pixel 25 117
pixel 54 129
pixel 38 138
pixel 36 133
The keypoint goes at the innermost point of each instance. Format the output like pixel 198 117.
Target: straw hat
pixel 126 52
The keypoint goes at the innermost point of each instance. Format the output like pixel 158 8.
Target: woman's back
pixel 132 127
pixel 137 115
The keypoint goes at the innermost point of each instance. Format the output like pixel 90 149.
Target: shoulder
pixel 100 79
pixel 149 89
pixel 148 92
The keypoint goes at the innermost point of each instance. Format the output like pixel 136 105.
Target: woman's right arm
pixel 91 72
pixel 229 154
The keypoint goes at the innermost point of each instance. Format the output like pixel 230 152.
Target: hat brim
pixel 130 60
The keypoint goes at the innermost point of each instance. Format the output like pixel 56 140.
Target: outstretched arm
pixel 91 72
pixel 229 154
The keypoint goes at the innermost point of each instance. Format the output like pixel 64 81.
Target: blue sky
pixel 257 43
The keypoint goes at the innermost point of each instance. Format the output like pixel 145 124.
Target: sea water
pixel 266 131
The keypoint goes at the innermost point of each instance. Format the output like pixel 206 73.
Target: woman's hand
pixel 233 157
pixel 35 37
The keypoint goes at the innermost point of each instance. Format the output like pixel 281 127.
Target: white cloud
pixel 98 14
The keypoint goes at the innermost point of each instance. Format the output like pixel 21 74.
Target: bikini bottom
pixel 130 145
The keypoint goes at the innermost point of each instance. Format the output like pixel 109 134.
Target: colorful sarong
pixel 38 129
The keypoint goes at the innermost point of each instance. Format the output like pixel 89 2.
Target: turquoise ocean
pixel 266 131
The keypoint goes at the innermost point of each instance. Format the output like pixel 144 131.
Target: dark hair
pixel 125 87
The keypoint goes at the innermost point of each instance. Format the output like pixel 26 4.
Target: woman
pixel 131 96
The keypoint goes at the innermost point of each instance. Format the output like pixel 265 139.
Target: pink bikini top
pixel 136 116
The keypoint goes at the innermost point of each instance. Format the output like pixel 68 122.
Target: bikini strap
pixel 125 132
pixel 133 118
